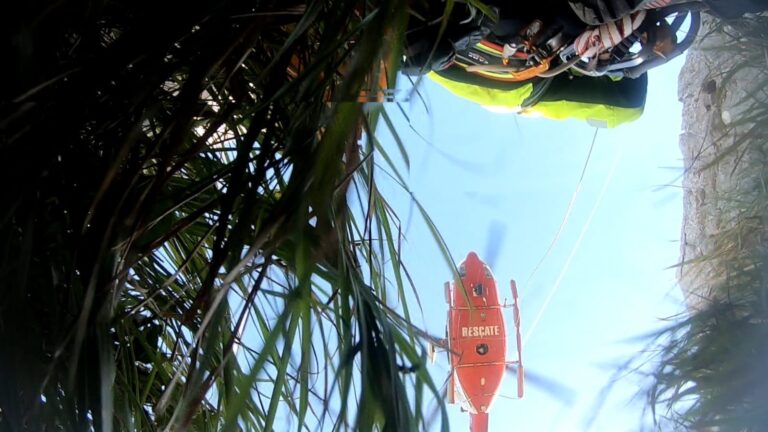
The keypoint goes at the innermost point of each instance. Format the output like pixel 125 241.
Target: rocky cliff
pixel 720 86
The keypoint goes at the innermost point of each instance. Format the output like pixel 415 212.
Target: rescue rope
pixel 567 215
pixel 608 35
pixel 575 249
pixel 656 4
pixel 605 36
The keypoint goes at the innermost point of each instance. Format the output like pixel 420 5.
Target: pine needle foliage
pixel 192 237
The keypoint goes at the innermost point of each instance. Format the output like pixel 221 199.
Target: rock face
pixel 714 161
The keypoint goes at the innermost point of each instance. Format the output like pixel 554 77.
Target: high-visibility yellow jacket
pixel 601 106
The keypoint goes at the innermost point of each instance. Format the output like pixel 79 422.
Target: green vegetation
pixel 192 237
pixel 713 363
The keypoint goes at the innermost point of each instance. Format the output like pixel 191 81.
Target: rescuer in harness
pixel 472 37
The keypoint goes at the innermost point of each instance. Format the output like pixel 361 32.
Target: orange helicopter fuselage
pixel 476 337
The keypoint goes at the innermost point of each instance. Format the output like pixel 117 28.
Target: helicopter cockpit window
pixel 482 349
pixel 488 273
pixel 478 289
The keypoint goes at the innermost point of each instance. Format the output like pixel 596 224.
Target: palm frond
pixel 181 246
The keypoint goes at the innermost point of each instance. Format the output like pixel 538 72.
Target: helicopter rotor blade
pixel 432 415
pixel 496 233
pixel 556 390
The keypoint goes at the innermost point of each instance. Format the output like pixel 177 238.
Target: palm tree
pixel 192 237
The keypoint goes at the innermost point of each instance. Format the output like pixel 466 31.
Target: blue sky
pixel 472 170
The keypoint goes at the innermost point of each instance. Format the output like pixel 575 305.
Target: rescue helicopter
pixel 477 341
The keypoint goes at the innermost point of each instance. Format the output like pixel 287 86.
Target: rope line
pixel 576 246
pixel 567 215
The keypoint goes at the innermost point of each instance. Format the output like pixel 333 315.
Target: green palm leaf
pixel 181 245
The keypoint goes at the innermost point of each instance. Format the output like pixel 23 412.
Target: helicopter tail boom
pixel 478 422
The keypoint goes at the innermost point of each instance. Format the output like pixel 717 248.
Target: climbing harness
pixel 626 47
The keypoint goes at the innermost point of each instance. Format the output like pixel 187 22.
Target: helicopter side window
pixel 482 349
pixel 478 290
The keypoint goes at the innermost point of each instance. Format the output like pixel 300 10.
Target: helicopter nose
pixel 472 256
